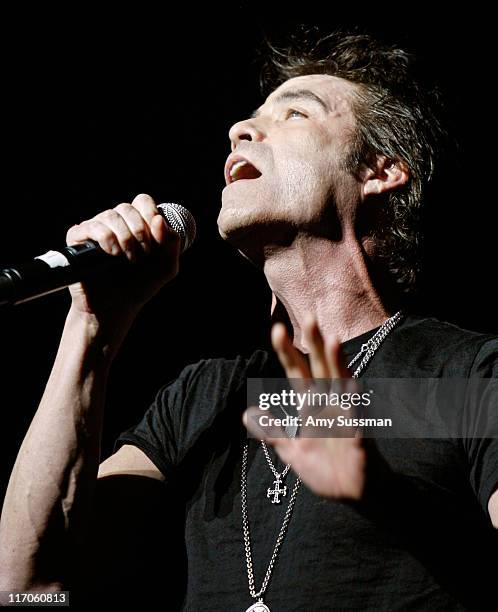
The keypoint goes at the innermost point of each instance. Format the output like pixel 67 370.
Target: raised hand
pixel 330 466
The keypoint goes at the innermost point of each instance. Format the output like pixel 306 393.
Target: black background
pixel 99 107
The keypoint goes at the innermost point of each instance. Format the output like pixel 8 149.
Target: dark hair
pixel 395 116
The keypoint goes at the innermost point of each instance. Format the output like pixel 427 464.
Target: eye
pixel 292 113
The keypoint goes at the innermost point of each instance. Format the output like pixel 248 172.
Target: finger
pixel 339 370
pixel 118 225
pixel 295 365
pixel 272 434
pixel 318 361
pixel 137 225
pixel 146 206
pixel 292 361
pixel 160 231
pixel 163 234
pixel 94 230
pixel 260 424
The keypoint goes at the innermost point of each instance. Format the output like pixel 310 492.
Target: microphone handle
pixel 53 271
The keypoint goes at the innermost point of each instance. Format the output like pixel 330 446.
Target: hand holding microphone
pixel 94 262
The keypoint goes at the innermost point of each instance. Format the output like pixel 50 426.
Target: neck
pixel 329 280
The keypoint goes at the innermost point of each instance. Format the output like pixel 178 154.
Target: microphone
pixel 55 270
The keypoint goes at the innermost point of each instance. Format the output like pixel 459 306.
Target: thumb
pixel 260 424
pixel 159 229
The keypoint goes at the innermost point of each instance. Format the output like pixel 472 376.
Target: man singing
pixel 323 190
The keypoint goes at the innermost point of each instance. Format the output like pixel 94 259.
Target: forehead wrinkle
pixel 296 94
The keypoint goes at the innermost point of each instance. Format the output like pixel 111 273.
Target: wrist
pixel 104 337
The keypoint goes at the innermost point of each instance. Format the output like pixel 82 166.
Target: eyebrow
pixel 295 94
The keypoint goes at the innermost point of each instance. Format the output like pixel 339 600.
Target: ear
pixel 387 175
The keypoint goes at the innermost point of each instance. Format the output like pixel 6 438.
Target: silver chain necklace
pixel 367 350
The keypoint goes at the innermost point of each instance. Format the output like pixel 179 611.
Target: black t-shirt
pixel 425 541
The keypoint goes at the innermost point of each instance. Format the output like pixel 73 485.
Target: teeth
pixel 236 167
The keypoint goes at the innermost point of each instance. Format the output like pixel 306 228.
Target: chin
pixel 234 223
pixel 252 216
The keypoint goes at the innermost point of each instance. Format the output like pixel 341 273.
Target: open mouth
pixel 241 169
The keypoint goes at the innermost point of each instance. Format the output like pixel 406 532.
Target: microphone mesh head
pixel 181 221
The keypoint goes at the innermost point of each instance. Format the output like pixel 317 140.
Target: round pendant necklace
pixel 366 353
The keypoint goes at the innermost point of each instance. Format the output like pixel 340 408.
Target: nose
pixel 245 130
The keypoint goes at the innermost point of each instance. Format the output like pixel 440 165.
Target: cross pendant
pixel 276 492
